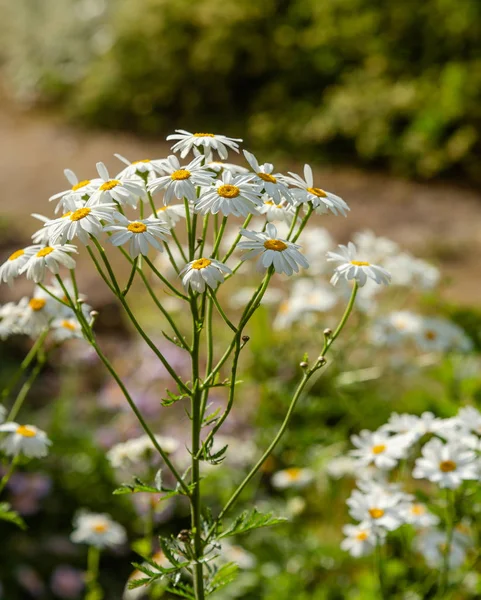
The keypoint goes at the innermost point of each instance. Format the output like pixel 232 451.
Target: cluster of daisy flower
pixel 409 458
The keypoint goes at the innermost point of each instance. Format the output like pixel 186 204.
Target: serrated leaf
pixel 225 575
pixel 9 515
pixel 249 520
pixel 172 398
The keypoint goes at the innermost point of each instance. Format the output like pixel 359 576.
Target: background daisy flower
pixel 139 169
pixel 359 270
pixel 207 141
pixel 78 190
pixel 140 234
pixel 24 439
pixel 97 530
pixel 83 221
pixel 51 258
pixel 12 267
pixel 170 214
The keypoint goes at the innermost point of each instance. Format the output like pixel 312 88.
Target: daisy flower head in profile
pixel 379 449
pixel 232 195
pixel 282 211
pixel 41 236
pixel 272 184
pixel 322 201
pixel 283 255
pixel 294 477
pixel 51 258
pixel 468 419
pixel 145 169
pixel 203 271
pixel 123 192
pixel 432 545
pixel 14 264
pixel 378 508
pixel 170 214
pixel 80 190
pixel 352 269
pixel 448 465
pixel 83 221
pixel 207 142
pixel 417 514
pixel 360 539
pixel 180 181
pixel 140 234
pixel 37 312
pixel 218 166
pixel 97 530
pixel 10 315
pixel 66 329
pixel 27 440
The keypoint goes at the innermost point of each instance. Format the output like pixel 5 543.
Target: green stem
pixel 304 221
pixel 218 238
pixel 179 245
pixel 164 280
pixel 237 239
pixel 379 562
pixel 24 390
pixel 5 479
pixel 94 591
pixel 294 222
pixel 204 234
pixel 221 311
pixel 449 523
pixel 131 278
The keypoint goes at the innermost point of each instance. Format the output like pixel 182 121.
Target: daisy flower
pixel 83 221
pixel 351 268
pixel 170 214
pixel 218 166
pixel 180 182
pixel 440 335
pixel 432 545
pixel 36 313
pixel 232 195
pixel 24 439
pixel 378 448
pixel 395 328
pixel 197 273
pixel 66 329
pixel 283 255
pixel 360 539
pixel 137 450
pixel 281 211
pixel 78 191
pixel 145 168
pixel 378 508
pixel 272 184
pixel 51 258
pixel 417 514
pixel 469 419
pixel 448 464
pixel 12 267
pixel 293 477
pixel 139 234
pixel 308 297
pixel 207 141
pixel 10 314
pixel 125 191
pixel 405 424
pixel 41 236
pixel 97 530
pixel 321 200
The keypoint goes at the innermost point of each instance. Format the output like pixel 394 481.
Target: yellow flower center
pixel 26 431
pixel 418 509
pixel 80 213
pixel 100 528
pixel 45 251
pixel 362 536
pixel 228 191
pixel 379 449
pixel 80 185
pixel 277 245
pixel 269 203
pixel 109 185
pixel 360 263
pixel 67 214
pixel 68 325
pixel 447 466
pixel 180 175
pixel 294 473
pixel 317 192
pixel 137 227
pixel 16 255
pixel 430 335
pixel 204 135
pixel 201 263
pixel 162 209
pixel 37 304
pixel 376 513
pixel 267 177
pixel 144 160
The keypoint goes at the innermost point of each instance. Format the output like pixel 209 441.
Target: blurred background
pixel 382 98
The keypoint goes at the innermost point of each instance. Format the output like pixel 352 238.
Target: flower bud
pixel 303 364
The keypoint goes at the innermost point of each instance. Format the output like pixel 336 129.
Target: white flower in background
pixel 37 312
pixel 219 166
pixel 66 329
pixel 410 271
pixel 207 141
pixel 232 195
pixel 417 514
pixel 294 477
pixel 234 553
pixel 78 191
pixel 41 236
pixel 139 234
pixel 440 335
pixel 139 449
pixel 321 200
pixel 316 242
pixel 378 448
pixel 308 297
pixel 273 185
pixel 83 221
pixel 282 254
pixel 124 192
pixel 342 466
pixel 432 545
pixel 351 268
pixel 447 465
pixel 12 267
pixel 379 508
pixel 197 273
pixel 51 258
pixel 24 439
pixel 282 211
pixel 3 413
pixel 10 314
pixel 469 419
pixel 97 530
pixel 408 425
pixel 181 181
pixel 360 539
pixel 139 169
pixel 170 214
pixel 396 327
pixel 374 248
pixel 240 298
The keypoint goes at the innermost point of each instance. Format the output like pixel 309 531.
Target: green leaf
pixel 249 520
pixel 225 575
pixel 7 514
pixel 182 590
pixel 172 398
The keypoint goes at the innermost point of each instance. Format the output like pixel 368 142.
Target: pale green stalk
pixel 24 390
pixel 94 591
pixel 449 524
pixel 5 479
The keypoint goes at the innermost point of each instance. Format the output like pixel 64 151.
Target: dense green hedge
pixel 396 82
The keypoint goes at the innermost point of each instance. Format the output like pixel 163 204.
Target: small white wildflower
pixel 360 539
pixel 24 439
pixel 137 450
pixel 83 221
pixel 66 329
pixel 232 195
pixel 139 234
pixel 41 236
pixel 79 190
pixel 432 545
pixel 12 267
pixel 10 314
pixel 139 169
pixel 124 192
pixel 272 184
pixel 351 268
pixel 281 211
pixel 97 530
pixel 282 254
pixel 378 448
pixel 396 327
pixel 207 141
pixel 377 507
pixel 469 419
pixel 51 258
pixel 294 477
pixel 170 214
pixel 417 514
pixel 197 273
pixel 440 335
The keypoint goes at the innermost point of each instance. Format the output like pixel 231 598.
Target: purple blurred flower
pixel 27 490
pixel 67 582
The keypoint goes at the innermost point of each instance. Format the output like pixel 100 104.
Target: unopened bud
pixel 199 240
pixel 321 361
pixel 80 301
pixel 184 535
pixel 303 364
pixel 327 332
pixel 245 338
pixel 94 313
